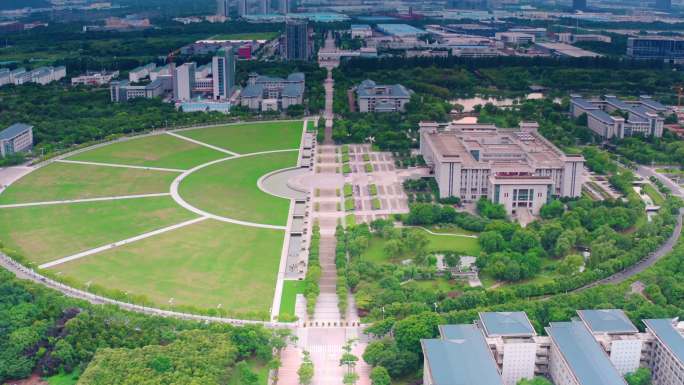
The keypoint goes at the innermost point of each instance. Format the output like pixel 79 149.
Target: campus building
pixel 666 48
pixel 511 338
pixel 618 337
pixel 517 168
pixel 667 356
pixel 184 81
pixel 372 97
pixel 598 348
pixel 297 44
pixel 361 31
pixel 16 138
pixel 461 356
pixel 140 73
pixel 122 91
pixel 611 117
pixel 577 359
pixel 41 75
pixel 268 93
pixel 223 73
pixel 95 78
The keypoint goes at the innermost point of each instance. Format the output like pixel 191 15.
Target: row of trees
pixel 42 331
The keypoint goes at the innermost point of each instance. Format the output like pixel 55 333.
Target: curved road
pixel 645 263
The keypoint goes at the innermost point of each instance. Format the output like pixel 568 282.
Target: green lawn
pixel 153 151
pixel 654 194
pixel 251 137
pixel 289 297
pixel 64 378
pixel 245 36
pixel 46 233
pixel 61 181
pixel 201 265
pixel 230 188
pixel 464 245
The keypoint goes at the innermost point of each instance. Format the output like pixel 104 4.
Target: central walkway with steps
pixel 327 310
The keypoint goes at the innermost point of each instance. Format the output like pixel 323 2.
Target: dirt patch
pixel 33 380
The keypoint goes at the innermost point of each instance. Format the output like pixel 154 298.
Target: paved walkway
pixel 115 198
pixel 120 243
pixel 119 165
pixel 203 144
pixel 327 309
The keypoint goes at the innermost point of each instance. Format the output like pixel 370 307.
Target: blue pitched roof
pixel 293 90
pixel 665 330
pixel 462 357
pixel 584 104
pixel 252 91
pixel 611 321
pixel 646 100
pixel 506 324
pixel 602 116
pixel 586 359
pixel 14 130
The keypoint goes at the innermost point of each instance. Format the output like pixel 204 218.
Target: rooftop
pixel 506 324
pixel 369 88
pixel 568 50
pixel 400 30
pixel 461 357
pixel 666 332
pixel 14 130
pixel 610 321
pixel 586 359
pixel 486 146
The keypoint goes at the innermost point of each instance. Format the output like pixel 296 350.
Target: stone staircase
pixel 327 309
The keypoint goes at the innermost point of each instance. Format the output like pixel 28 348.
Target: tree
pixel 409 331
pixel 306 369
pixel 348 359
pixel 642 376
pixel 570 265
pixel 554 209
pixel 350 378
pixel 534 381
pixel 492 241
pixel 380 376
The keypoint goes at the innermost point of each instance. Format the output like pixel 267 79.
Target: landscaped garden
pixel 153 249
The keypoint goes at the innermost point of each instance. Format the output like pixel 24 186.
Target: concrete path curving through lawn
pixel 177 197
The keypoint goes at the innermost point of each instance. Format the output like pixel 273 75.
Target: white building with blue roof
pixel 511 338
pixel 667 355
pixel 373 97
pixel 460 357
pixel 577 359
pixel 16 138
pixel 269 92
pixel 611 117
pixel 618 337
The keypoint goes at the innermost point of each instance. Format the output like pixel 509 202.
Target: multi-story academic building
pixel 16 138
pixel 598 348
pixel 611 117
pixel 372 97
pixel 517 168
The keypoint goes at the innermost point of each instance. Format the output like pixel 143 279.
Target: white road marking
pixel 203 144
pixel 115 198
pixel 120 243
pixel 119 165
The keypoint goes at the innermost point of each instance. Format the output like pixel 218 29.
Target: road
pixel 642 265
pixel 647 172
